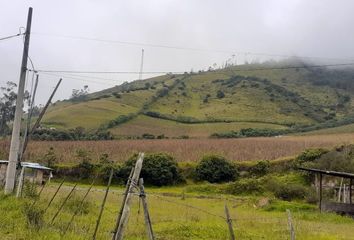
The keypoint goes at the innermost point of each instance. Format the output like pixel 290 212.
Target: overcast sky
pixel 321 28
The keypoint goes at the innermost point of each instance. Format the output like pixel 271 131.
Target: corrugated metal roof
pixel 332 173
pixel 30 165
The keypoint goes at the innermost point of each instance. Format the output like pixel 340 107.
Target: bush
pixel 260 169
pixel 220 94
pixel 159 169
pixel 34 216
pixel 289 192
pixel 215 169
pixel 50 157
pixel 245 186
pixel 310 155
pixel 30 189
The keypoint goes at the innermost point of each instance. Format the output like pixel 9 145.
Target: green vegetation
pixel 218 101
pixel 215 169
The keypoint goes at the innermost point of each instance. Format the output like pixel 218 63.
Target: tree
pixel 7 106
pixel 220 94
pixel 80 94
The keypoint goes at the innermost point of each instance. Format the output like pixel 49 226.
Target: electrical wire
pixel 178 72
pixel 11 36
pixel 141 44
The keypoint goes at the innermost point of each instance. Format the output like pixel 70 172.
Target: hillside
pixel 200 104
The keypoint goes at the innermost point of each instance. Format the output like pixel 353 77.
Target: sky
pixel 177 36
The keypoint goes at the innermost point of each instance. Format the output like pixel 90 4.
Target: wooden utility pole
pixel 141 65
pixel 148 224
pixel 39 119
pixel 126 210
pixel 291 226
pixel 29 117
pixel 15 138
pixel 229 223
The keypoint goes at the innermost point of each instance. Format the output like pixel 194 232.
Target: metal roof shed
pixel 331 206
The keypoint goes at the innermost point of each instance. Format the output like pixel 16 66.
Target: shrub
pixel 50 157
pixel 148 136
pixel 215 169
pixel 289 192
pixel 220 94
pixel 30 189
pixel 245 186
pixel 34 216
pixel 310 155
pixel 159 169
pixel 86 170
pixel 260 169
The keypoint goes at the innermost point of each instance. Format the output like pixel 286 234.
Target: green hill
pixel 199 104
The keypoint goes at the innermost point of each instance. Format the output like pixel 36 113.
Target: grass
pixel 183 150
pixel 155 126
pixel 94 112
pixel 173 218
pixel 249 102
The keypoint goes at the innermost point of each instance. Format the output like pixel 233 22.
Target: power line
pixel 141 44
pixel 103 72
pixel 11 36
pixel 79 79
pixel 179 72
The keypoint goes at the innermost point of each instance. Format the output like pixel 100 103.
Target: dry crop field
pixel 185 149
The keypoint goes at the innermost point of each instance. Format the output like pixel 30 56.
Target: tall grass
pixel 184 149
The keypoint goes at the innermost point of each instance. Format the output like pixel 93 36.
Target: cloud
pixel 292 27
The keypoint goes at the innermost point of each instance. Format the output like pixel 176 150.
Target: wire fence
pixel 187 216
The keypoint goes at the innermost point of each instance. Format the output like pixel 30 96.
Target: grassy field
pixel 184 149
pixel 280 97
pixel 197 216
pixel 144 124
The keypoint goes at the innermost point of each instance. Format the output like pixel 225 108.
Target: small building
pixel 33 172
pixel 343 204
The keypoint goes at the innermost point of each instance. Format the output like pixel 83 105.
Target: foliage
pixel 159 169
pixel 311 154
pixel 290 192
pixel 220 94
pixel 30 190
pixel 34 216
pixel 119 120
pixel 261 168
pixel 78 133
pixel 340 159
pixel 215 169
pixel 250 132
pixel 50 158
pixel 8 98
pixel 79 94
pixel 245 186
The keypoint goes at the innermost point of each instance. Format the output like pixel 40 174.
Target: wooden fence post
pixel 20 182
pixel 229 223
pixel 79 207
pixel 62 205
pixel 290 224
pixel 103 204
pixel 122 206
pixel 126 210
pixel 56 192
pixel 148 224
